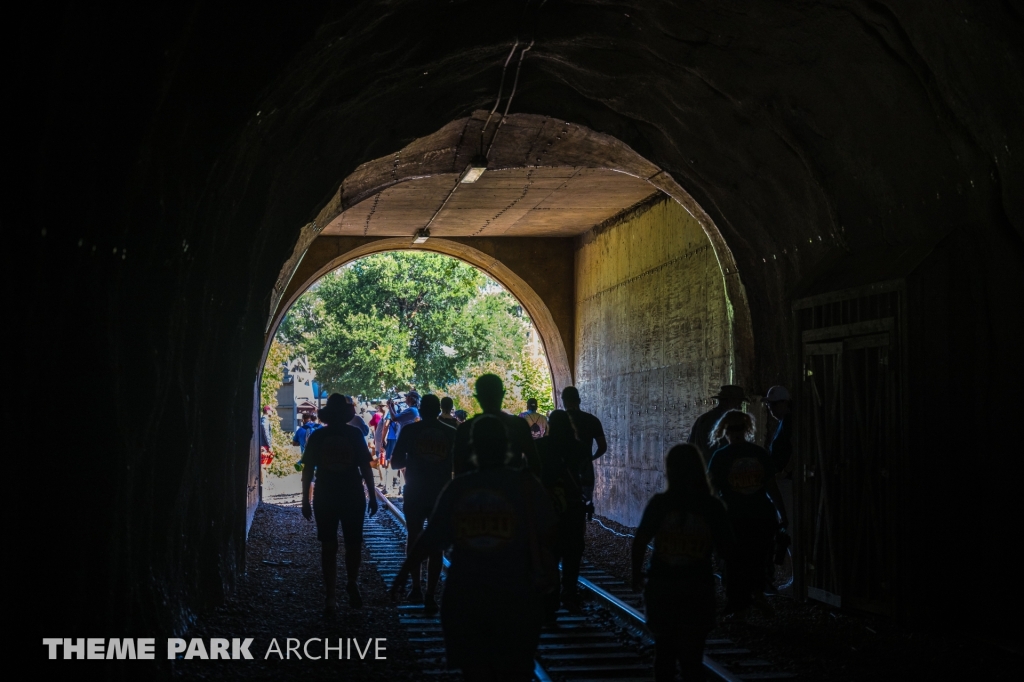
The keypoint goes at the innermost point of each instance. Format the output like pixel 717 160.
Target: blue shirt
pixel 358 422
pixel 406 416
pixel 302 434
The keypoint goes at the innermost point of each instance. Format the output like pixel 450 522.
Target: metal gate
pixel 850 446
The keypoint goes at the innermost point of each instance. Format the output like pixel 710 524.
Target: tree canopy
pixel 396 320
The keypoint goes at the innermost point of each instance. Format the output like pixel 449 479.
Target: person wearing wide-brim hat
pixel 338 456
pixel 729 397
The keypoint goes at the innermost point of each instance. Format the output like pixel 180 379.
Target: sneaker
pixel 355 600
pixel 429 605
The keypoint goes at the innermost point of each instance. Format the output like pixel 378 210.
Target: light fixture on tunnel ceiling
pixel 474 170
pixel 422 235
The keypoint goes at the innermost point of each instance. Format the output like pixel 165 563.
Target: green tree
pixel 273 372
pixel 531 377
pixel 285 454
pixel 400 319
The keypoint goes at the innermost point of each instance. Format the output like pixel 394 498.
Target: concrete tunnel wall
pixel 653 344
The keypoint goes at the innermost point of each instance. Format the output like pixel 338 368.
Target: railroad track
pixel 609 641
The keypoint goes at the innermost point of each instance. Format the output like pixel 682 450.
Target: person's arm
pixel 400 455
pixel 713 470
pixel 309 458
pixel 265 432
pixel 692 440
pixel 366 471
pixel 772 488
pixel 644 535
pixel 602 442
pixel 782 446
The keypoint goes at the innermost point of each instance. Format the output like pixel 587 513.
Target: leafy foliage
pixel 273 371
pixel 285 454
pixel 396 320
pixel 530 375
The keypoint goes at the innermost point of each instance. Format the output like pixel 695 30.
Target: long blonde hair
pixel 733 420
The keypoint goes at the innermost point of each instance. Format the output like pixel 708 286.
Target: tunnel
pixel 682 195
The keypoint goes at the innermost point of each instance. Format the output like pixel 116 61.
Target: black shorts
pixel 330 509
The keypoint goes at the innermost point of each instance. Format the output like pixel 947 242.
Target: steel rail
pixel 609 599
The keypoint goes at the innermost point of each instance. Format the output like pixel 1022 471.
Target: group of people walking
pixel 508 497
pixel 722 497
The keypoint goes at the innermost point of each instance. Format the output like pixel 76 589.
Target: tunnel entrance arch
pixel 657 317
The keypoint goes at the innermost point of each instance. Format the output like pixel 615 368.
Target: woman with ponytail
pixel 685 522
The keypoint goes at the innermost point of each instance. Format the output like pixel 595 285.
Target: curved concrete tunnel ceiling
pixel 544 178
pixel 562 201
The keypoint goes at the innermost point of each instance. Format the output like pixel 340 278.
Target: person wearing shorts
pixel 338 456
pixel 424 450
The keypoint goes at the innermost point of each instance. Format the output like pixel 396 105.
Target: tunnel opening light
pixel 422 235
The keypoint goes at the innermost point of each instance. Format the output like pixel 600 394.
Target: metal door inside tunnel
pixel 850 448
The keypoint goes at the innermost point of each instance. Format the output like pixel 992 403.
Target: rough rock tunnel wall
pixel 653 344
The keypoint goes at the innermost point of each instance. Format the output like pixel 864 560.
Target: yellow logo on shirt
pixel 746 475
pixel 683 538
pixel 484 520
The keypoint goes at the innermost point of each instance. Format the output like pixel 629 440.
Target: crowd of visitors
pixel 509 497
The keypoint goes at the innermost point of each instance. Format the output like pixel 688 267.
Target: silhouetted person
pixel 424 450
pixel 743 475
pixel 378 425
pixel 780 446
pixel 538 423
pixel 338 455
pixel 589 431
pixel 447 405
pixel 266 444
pixel 397 419
pixel 359 423
pixel 563 457
pixel 490 392
pixel 685 522
pixel 302 433
pixel 500 526
pixel 729 398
